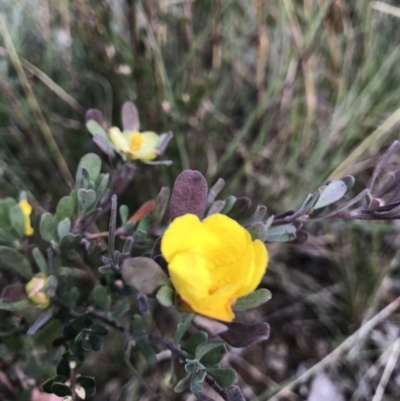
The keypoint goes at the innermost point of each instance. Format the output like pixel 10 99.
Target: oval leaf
pixel 143 274
pixel 189 194
pixel 332 193
pixel 13 260
pixel 254 299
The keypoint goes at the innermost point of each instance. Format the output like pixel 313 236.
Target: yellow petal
pixel 213 262
pixel 190 276
pixel 187 233
pixel 118 139
pixel 148 149
pixel 26 210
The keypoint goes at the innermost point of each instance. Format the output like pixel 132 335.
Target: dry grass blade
pixel 362 332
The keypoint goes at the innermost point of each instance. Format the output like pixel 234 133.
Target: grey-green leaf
pixel 13 260
pixel 206 349
pixel 15 306
pixel 281 233
pixel 65 208
pixel 40 260
pixel 92 163
pixel 96 129
pixel 183 325
pixel 165 296
pixel 100 294
pixel 86 199
pixel 70 241
pixel 252 300
pixel 332 193
pixel 182 384
pixel 63 227
pixel 225 377
pixel 47 227
pixel 160 205
pixel 144 274
pixel 17 220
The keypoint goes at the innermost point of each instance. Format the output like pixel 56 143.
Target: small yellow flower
pixel 35 290
pixel 212 263
pixel 135 144
pixel 26 210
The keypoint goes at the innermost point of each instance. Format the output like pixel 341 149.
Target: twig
pixel 164 343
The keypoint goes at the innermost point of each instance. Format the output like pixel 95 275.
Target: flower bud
pixel 36 291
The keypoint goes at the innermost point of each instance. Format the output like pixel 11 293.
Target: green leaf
pixel 97 329
pixel 144 274
pixel 214 191
pixel 91 342
pixel 47 227
pixel 40 260
pixel 252 300
pixel 17 220
pixel 63 368
pixel 86 199
pixel 15 306
pixel 70 241
pixel 61 389
pixel 183 325
pixel 197 380
pixel 63 227
pixel 105 269
pixel 100 295
pixel 259 214
pixel 229 203
pixel 119 309
pixel 5 206
pixel 349 181
pixel 147 351
pixel 96 129
pixel 216 207
pixel 88 383
pixel 161 205
pixel 92 163
pixel 137 326
pixel 123 214
pixel 182 384
pixel 46 386
pixel 82 178
pixel 101 185
pixel 332 193
pixel 210 353
pixel 13 260
pixel 281 233
pixel 225 377
pixel 70 298
pixel 166 296
pixel 65 208
pixel 258 231
pixel 194 341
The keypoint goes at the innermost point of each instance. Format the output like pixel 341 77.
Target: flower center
pixel 136 141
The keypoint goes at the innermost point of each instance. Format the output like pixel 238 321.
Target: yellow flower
pixel 212 263
pixel 26 210
pixel 135 144
pixel 35 291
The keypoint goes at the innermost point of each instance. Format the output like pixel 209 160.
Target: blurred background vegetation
pixel 275 97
